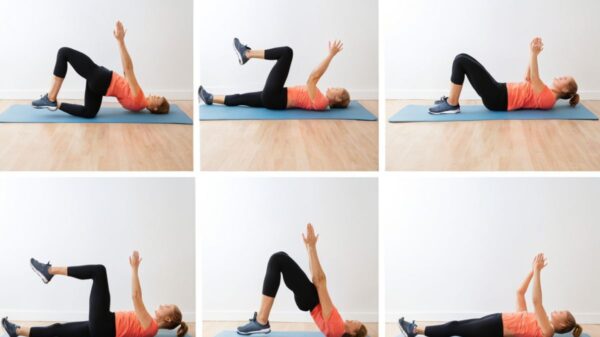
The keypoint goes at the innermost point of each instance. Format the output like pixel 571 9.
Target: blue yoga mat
pixel 275 334
pixel 420 113
pixel 555 335
pixel 168 333
pixel 355 111
pixel 28 114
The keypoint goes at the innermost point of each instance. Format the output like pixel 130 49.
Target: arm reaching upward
pixel 536 48
pixel 136 292
pixel 521 304
pixel 318 275
pixel 539 262
pixel 126 61
pixel 314 77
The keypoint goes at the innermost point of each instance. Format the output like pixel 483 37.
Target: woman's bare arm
pixel 318 275
pixel 521 303
pixel 314 77
pixel 540 313
pixel 536 47
pixel 126 61
pixel 136 292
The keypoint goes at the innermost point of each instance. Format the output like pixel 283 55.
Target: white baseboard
pixel 78 94
pixel 467 93
pixel 282 316
pixel 354 93
pixel 392 317
pixel 63 316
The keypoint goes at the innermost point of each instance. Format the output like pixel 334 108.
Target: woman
pixel 532 93
pixel 102 322
pixel 275 95
pixel 100 82
pixel 310 296
pixel 515 324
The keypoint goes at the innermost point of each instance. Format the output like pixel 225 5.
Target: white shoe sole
pixel 263 331
pixel 51 108
pixel 39 274
pixel 448 112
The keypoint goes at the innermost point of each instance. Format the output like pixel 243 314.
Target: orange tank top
pixel 128 325
pixel 522 96
pixel 297 97
pixel 521 324
pixel 333 327
pixel 119 88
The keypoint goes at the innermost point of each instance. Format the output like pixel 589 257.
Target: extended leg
pixel 75 329
pixel 490 325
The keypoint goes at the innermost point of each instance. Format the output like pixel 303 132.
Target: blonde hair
pixel 344 100
pixel 571 93
pixel 176 321
pixel 570 324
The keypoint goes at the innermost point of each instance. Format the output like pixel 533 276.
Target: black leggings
pixel 488 326
pixel 101 321
pixel 274 94
pixel 97 81
pixel 305 292
pixel 493 94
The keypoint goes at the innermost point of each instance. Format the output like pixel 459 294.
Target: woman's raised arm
pixel 536 46
pixel 539 262
pixel 314 77
pixel 318 275
pixel 119 34
pixel 136 292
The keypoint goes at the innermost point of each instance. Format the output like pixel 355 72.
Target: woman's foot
pixel 408 329
pixel 444 108
pixel 240 50
pixel 44 102
pixel 11 328
pixel 42 270
pixel 205 96
pixel 253 327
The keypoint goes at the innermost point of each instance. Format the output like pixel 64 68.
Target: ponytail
pixel 574 100
pixel 577 330
pixel 183 329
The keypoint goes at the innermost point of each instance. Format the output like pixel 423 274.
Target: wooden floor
pixel 99 147
pixel 191 325
pixel 392 329
pixel 492 145
pixel 211 328
pixel 290 145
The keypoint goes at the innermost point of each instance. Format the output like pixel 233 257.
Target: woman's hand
pixel 310 239
pixel 119 31
pixel 135 260
pixel 539 262
pixel 536 45
pixel 335 47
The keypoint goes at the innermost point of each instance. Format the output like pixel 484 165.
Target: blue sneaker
pixel 205 96
pixel 41 270
pixel 408 329
pixel 444 108
pixel 44 102
pixel 11 328
pixel 253 327
pixel 240 50
pixel 441 100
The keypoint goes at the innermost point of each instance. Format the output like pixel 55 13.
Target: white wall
pixel 458 248
pixel 244 221
pixel 422 38
pixel 159 39
pixel 306 26
pixel 89 221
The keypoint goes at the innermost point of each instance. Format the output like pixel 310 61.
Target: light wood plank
pixel 290 145
pixel 96 147
pixel 492 145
